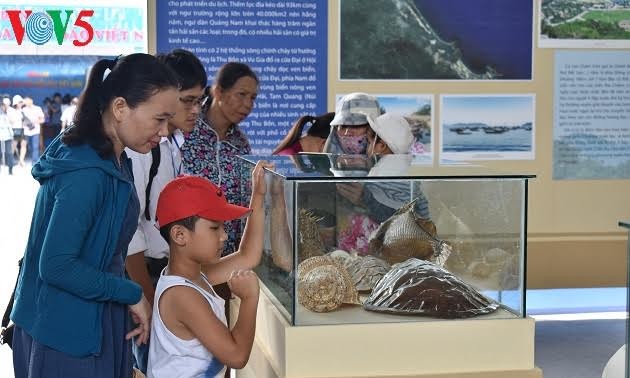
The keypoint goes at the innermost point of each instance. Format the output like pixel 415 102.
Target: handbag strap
pixel 7 312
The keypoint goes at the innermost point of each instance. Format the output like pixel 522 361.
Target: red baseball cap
pixel 187 196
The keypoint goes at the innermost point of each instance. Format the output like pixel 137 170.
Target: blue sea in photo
pixel 495 33
pixel 518 140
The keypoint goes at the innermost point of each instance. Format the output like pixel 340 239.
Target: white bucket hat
pixel 17 99
pixel 394 130
pixel 353 108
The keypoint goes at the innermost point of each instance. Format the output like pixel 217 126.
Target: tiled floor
pixel 577 330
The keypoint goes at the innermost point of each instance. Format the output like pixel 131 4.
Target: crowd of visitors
pixel 26 129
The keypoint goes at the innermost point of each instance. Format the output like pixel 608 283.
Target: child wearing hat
pixel 189 334
pixel 347 135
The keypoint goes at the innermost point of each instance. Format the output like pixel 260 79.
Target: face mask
pixel 355 145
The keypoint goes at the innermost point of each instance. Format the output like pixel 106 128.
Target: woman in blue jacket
pixel 72 300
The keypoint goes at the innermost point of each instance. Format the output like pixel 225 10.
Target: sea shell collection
pixel 403 273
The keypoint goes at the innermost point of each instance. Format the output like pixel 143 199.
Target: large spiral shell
pixel 324 284
pixel 322 289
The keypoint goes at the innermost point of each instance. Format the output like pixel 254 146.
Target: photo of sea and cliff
pixel 584 23
pixel 417 110
pixel 436 40
pixel 483 127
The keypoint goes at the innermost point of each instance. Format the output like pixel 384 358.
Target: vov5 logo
pixel 40 26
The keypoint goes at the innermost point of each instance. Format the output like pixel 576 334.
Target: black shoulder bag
pixel 6 335
pixel 155 164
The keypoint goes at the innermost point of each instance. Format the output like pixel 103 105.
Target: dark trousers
pixel 7 150
pixel 33 147
pixel 141 352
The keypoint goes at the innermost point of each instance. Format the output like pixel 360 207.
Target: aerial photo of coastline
pixel 484 127
pixel 436 40
pixel 589 20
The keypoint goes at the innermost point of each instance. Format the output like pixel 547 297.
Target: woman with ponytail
pixel 294 143
pixel 73 301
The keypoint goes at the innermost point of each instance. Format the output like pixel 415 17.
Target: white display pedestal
pixel 489 348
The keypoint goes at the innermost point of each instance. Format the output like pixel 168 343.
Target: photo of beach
pixel 584 23
pixel 487 127
pixel 436 40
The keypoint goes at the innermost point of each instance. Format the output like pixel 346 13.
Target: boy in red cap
pixel 189 334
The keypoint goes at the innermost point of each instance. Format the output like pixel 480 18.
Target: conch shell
pixel 405 235
pixel 324 285
pixel 309 240
pixel 366 271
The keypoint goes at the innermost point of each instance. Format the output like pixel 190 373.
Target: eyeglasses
pixel 191 101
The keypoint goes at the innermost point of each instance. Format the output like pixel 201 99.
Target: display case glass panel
pixel 351 239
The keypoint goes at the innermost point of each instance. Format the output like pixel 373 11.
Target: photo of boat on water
pixel 487 127
pixel 436 40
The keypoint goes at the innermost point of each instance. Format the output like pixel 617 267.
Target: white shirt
pixel 35 114
pixel 147 237
pixel 68 114
pixel 6 127
pixel 170 356
pixel 15 116
pixel 616 366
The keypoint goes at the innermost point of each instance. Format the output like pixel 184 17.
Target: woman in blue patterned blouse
pixel 211 150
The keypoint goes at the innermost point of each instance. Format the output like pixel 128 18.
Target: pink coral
pixel 356 236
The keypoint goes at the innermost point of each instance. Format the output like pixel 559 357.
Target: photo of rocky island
pixel 436 40
pixel 603 23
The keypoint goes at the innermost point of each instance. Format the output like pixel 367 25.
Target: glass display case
pixel 351 239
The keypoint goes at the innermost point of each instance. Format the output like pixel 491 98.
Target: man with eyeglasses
pixel 148 252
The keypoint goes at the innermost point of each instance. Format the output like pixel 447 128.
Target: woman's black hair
pixel 187 68
pixel 225 78
pixel 135 77
pixel 320 127
pixel 230 72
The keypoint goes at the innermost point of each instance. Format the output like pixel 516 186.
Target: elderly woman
pixel 212 148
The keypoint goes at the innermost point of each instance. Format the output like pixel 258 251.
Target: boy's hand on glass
pixel 141 315
pixel 258 177
pixel 276 186
pixel 244 284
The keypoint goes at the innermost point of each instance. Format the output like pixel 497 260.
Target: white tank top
pixel 170 356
